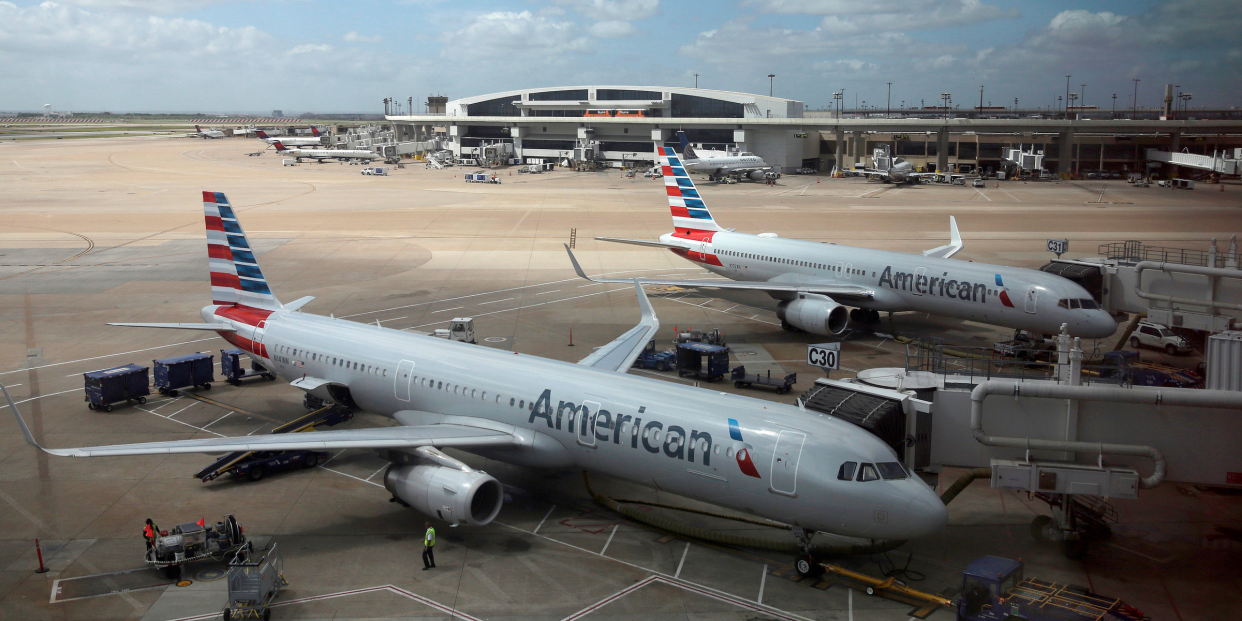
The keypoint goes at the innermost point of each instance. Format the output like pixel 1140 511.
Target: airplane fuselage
pixel 330 154
pixel 994 294
pixel 726 164
pixel 761 457
pixel 294 142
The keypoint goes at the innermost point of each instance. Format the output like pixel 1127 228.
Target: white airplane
pixel 777 461
pixel 291 141
pixel 326 154
pixel 812 283
pixel 719 166
pixel 205 133
pixel 893 169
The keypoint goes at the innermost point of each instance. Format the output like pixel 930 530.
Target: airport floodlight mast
pixel 1114 106
pixel 1067 100
pixel 980 101
pixel 946 97
pixel 696 80
pixel 888 104
pixel 1134 111
pixel 1082 95
pixel 836 102
pixel 771 82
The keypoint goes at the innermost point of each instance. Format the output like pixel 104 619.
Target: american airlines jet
pixel 811 284
pixel 326 154
pixel 781 462
pixel 744 164
pixel 290 141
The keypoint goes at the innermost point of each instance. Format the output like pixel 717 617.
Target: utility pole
pixel 696 80
pixel 1114 106
pixel 888 106
pixel 771 82
pixel 1134 111
pixel 1082 96
pixel 410 110
pixel 980 115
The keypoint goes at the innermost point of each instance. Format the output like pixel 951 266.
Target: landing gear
pixel 805 564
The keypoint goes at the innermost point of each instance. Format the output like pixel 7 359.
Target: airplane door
pixel 849 269
pixel 918 277
pixel 401 382
pixel 587 416
pixel 1032 294
pixel 785 462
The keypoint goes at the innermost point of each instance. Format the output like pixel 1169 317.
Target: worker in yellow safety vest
pixel 429 544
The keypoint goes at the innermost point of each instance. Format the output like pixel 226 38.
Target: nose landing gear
pixel 805 564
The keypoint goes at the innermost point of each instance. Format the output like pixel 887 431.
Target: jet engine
pixel 456 496
pixel 814 313
pixel 756 175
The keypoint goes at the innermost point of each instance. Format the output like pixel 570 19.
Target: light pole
pixel 1114 106
pixel 836 102
pixel 1015 106
pixel 888 104
pixel 696 80
pixel 945 97
pixel 1134 112
pixel 980 115
pixel 771 83
pixel 1067 78
pixel 1082 95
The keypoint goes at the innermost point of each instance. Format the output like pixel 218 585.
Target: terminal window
pixel 704 107
pixel 616 94
pixel 502 106
pixel 579 94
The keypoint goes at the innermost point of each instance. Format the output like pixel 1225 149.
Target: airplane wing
pixel 438 435
pixel 619 355
pixel 850 292
pixel 214 327
pixel 952 248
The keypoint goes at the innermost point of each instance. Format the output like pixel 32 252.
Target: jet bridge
pixel 1178 287
pixel 1217 162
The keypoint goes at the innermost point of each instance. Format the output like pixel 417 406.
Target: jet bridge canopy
pixel 882 415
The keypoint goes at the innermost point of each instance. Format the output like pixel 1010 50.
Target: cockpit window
pixel 892 471
pixel 867 473
pixel 846 472
pixel 1088 304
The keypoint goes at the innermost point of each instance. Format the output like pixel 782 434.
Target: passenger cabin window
pixel 846 473
pixel 868 473
pixel 892 471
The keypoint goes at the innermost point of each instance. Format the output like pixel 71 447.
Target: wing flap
pixel 852 292
pixel 619 354
pixel 439 435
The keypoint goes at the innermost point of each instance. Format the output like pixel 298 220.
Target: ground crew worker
pixel 150 532
pixel 429 544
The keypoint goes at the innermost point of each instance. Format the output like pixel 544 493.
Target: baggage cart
pixel 179 372
pixel 107 386
pixel 253 584
pixel 709 362
pixel 233 371
pixel 742 379
pixel 255 465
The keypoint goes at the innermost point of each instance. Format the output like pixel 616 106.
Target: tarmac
pixel 108 230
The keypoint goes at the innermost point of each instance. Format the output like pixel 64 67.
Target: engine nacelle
pixel 756 175
pixel 472 498
pixel 814 313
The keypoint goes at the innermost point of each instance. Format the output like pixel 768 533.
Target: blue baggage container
pixel 107 386
pixel 709 362
pixel 233 371
pixel 183 372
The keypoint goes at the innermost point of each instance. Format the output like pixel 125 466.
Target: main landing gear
pixel 864 315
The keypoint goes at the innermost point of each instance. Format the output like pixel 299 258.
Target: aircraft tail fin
pixel 279 146
pixel 315 132
pixel 197 129
pixel 690 214
pixel 235 274
pixel 687 151
pixel 260 133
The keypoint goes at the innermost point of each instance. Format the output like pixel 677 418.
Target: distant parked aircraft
pixel 205 133
pixel 326 154
pixel 742 165
pixel 291 141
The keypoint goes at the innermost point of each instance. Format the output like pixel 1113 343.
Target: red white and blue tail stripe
pixel 235 274
pixel 689 211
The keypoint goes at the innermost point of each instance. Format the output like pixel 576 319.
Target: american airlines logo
pixel 655 436
pixel 941 286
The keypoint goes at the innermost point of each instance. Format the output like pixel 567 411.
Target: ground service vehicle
pixel 191 542
pixel 742 379
pixel 658 360
pixel 1156 336
pixel 994 589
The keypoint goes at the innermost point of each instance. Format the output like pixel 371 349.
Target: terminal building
pixel 622 125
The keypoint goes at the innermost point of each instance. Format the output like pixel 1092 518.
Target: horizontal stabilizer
pixel 298 303
pixel 214 327
pixel 953 247
pixel 640 242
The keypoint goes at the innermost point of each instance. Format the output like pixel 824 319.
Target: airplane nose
pixel 926 514
pixel 1101 325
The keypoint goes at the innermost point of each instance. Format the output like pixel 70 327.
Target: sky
pixel 254 56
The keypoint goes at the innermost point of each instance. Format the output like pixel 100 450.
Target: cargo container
pixel 107 386
pixel 183 372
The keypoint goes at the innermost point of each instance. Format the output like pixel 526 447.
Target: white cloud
pixel 849 65
pixel 612 30
pixel 504 35
pixel 847 17
pixel 307 48
pixel 354 37
pixel 613 10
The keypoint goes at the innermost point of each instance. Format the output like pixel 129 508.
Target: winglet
pixel 644 305
pixel 577 268
pixel 20 422
pixel 953 247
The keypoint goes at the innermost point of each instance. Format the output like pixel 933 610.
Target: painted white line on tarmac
pixel 445 310
pixel 545 518
pixel 610 536
pixel 763 581
pixel 683 560
pixel 49 395
pixel 587 295
pixel 495 301
pixel 57 364
pixel 547 292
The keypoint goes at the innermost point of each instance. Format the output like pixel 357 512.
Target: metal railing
pixel 980 364
pixel 1135 251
